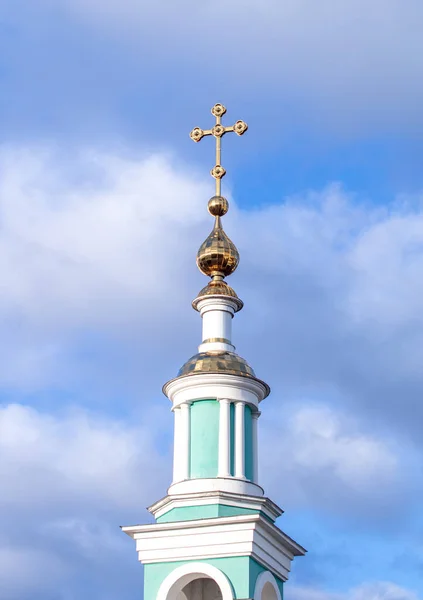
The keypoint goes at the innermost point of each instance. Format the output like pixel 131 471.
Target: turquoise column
pixel 204 446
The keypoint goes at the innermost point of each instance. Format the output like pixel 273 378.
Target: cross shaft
pixel 218 131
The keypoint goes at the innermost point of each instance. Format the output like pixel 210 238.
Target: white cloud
pixel 77 459
pixel 317 458
pixel 380 590
pixel 83 247
pixel 353 61
pixel 68 481
pixel 100 249
pixel 104 245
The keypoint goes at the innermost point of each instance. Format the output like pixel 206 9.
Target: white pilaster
pixel 239 440
pixel 224 438
pixel 185 430
pixel 255 416
pixel 177 444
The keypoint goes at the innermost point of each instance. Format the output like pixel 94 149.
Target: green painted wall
pixel 204 438
pixel 242 572
pixel 248 428
pixel 208 511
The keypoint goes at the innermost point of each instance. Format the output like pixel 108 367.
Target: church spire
pixel 215 536
pixel 218 256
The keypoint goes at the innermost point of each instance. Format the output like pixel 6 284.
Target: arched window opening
pixel 203 588
pixel 269 592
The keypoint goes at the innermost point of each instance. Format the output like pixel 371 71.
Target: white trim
pixel 260 503
pixel 220 537
pixel 216 385
pixel 220 303
pixel 215 346
pixel 255 415
pixel 177 444
pixel 185 440
pixel 240 440
pixel 183 575
pixel 262 579
pixel 224 437
pixel 217 484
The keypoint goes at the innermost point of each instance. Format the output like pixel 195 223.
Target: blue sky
pixel 102 209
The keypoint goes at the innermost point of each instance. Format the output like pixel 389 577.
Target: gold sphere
pixel 218 206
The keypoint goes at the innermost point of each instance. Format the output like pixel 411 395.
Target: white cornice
pixel 244 535
pixel 215 385
pixel 265 505
pixel 216 484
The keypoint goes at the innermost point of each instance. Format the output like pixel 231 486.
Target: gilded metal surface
pixel 217 255
pixel 216 362
pixel 240 127
pixel 218 172
pixel 218 131
pixel 220 340
pixel 196 134
pixel 218 288
pixel 218 206
pixel 218 110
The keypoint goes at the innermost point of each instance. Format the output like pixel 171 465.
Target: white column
pixel 224 438
pixel 239 440
pixel 217 323
pixel 255 416
pixel 177 444
pixel 185 441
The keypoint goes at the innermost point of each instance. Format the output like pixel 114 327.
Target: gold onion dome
pixel 217 256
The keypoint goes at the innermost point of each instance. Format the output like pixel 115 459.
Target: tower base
pixel 236 552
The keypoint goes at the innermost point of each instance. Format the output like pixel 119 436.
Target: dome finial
pixel 218 256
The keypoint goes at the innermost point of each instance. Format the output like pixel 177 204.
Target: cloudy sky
pixel 102 208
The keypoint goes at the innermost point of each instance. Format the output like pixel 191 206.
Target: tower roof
pixel 218 258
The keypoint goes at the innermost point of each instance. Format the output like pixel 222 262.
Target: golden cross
pixel 218 131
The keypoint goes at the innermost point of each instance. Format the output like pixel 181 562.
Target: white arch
pixel 262 580
pixel 182 576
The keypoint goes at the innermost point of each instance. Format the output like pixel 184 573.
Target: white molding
pixel 213 346
pixel 260 503
pixel 255 416
pixel 262 579
pixel 222 537
pixel 185 441
pixel 215 385
pixel 174 583
pixel 232 484
pixel 177 444
pixel 224 465
pixel 220 303
pixel 240 440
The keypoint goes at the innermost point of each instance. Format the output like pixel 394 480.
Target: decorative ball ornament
pixel 240 127
pixel 218 130
pixel 218 206
pixel 196 134
pixel 218 110
pixel 218 172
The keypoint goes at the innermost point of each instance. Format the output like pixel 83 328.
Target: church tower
pixel 215 536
